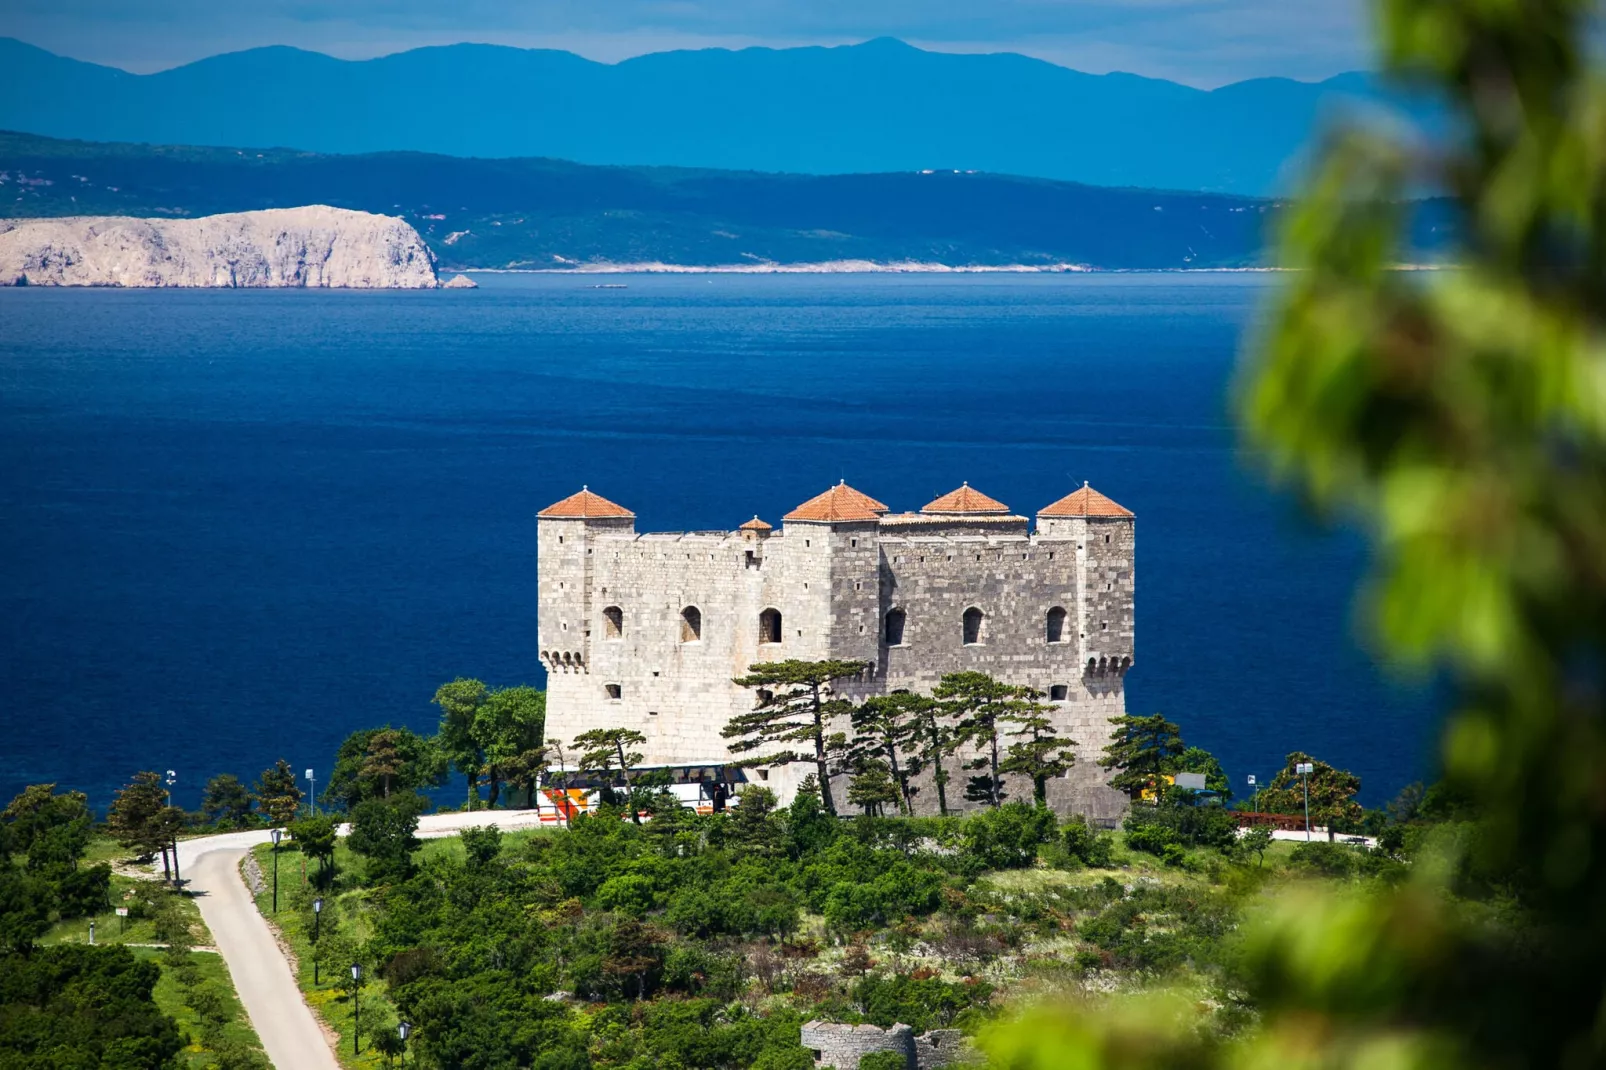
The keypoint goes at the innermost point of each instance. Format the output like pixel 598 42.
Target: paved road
pixel 290 1032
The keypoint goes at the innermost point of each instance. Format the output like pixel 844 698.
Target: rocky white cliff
pixel 311 246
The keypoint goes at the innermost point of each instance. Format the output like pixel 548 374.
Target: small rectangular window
pixel 1059 692
pixel 614 691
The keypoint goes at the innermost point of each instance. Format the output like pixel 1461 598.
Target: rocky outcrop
pixel 280 247
pixel 460 282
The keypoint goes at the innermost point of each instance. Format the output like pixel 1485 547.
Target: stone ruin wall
pixel 842 1046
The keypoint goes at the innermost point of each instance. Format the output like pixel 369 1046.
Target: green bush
pixel 884 1060
pixel 1085 845
pixel 1006 838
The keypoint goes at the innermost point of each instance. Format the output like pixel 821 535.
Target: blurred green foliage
pixel 1461 415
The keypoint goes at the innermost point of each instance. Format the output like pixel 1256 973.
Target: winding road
pixel 290 1032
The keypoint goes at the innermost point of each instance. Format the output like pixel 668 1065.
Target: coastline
pixel 842 267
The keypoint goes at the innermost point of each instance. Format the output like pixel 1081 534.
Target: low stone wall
pixel 842 1046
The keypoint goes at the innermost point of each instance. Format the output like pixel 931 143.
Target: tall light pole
pixel 312 793
pixel 356 1008
pixel 276 834
pixel 178 881
pixel 1305 769
pixel 317 918
pixel 1254 794
pixel 402 1030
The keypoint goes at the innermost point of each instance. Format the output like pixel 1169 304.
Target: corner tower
pixel 1106 541
pixel 565 536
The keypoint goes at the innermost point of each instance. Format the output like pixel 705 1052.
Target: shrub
pixel 884 1060
pixel 1153 839
pixel 1085 845
pixel 1006 838
pixel 1325 859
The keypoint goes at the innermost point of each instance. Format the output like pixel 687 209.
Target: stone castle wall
pixel 833 585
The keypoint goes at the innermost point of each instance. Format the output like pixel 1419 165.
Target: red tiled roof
pixel 841 502
pixel 1085 501
pixel 755 524
pixel 584 505
pixel 966 499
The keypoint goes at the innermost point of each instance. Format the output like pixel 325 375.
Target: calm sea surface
pixel 238 525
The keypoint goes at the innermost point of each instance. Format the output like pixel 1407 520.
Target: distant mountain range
pixel 881 106
pixel 535 213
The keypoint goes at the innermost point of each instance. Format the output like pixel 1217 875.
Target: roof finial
pixel 965 483
pixel 1084 482
pixel 584 487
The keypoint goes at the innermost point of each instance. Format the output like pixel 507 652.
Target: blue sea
pixel 239 525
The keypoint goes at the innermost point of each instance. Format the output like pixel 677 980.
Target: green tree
pixel 887 728
pixel 25 902
pixel 508 728
pixel 1199 760
pixel 89 1008
pixel 1332 793
pixel 871 785
pixel 796 706
pixel 1255 840
pixel 277 795
pixel 315 838
pixel 460 702
pixel 602 750
pixel 384 833
pixel 225 801
pixel 976 702
pixel 932 741
pixel 50 827
pixel 1143 750
pixel 415 763
pixel 132 816
pixel 1039 752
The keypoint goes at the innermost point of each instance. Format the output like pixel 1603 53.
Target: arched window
pixel 691 625
pixel 613 623
pixel 974 619
pixel 763 697
pixel 769 626
pixel 895 622
pixel 1056 625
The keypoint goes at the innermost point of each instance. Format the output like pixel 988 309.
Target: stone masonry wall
pixel 833 585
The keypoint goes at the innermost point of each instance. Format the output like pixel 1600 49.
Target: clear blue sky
pixel 1201 42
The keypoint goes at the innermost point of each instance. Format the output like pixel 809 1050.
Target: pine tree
pixel 226 801
pixel 133 814
pixel 382 761
pixel 1141 753
pixel 887 728
pixel 795 707
pixel 603 749
pixel 1332 793
pixel 871 786
pixel 460 702
pixel 1039 752
pixel 277 795
pixel 976 702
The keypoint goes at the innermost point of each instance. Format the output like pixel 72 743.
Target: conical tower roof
pixel 968 501
pixel 584 505
pixel 839 503
pixel 1084 501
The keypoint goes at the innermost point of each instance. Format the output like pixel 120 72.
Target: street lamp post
pixel 1305 769
pixel 312 793
pixel 317 918
pixel 178 881
pixel 356 1008
pixel 1254 794
pixel 277 834
pixel 402 1030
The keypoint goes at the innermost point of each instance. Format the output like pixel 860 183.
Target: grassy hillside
pixel 539 213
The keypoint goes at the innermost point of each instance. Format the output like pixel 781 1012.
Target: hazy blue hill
pixel 876 107
pixel 540 212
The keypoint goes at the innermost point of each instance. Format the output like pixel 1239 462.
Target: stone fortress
pixel 648 631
